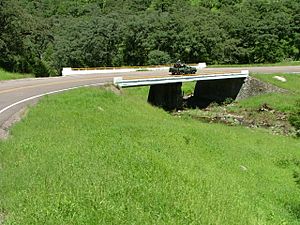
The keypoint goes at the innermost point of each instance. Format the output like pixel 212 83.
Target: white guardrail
pixel 118 81
pixel 81 71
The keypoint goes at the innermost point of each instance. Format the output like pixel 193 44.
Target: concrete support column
pixel 167 96
pixel 208 91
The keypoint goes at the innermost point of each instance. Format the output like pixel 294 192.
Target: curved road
pixel 16 94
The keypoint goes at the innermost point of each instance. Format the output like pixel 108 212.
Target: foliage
pixel 157 57
pixel 53 34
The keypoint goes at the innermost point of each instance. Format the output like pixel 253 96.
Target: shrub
pixel 157 57
pixel 41 69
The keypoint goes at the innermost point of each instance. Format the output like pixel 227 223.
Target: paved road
pixel 16 94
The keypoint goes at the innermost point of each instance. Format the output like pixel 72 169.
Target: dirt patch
pixel 112 88
pixel 4 128
pixel 263 117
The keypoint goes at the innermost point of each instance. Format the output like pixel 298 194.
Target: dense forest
pixel 42 36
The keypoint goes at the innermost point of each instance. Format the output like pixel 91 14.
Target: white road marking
pixel 48 93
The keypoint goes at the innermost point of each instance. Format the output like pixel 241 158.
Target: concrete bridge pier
pixel 208 91
pixel 167 96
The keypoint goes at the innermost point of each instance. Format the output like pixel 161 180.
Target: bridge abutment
pixel 208 91
pixel 167 96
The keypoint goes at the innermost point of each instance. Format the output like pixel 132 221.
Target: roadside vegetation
pixel 4 75
pixel 92 156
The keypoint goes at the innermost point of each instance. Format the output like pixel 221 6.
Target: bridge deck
pixel 127 81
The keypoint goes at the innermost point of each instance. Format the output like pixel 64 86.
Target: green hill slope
pixel 90 156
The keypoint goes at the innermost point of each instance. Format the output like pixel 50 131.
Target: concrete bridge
pixel 165 90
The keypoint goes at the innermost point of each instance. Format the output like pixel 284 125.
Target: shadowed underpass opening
pixel 166 96
pixel 208 91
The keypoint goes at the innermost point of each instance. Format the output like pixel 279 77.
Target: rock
pixel 265 108
pixel 282 79
pixel 100 108
pixel 243 168
pixel 253 87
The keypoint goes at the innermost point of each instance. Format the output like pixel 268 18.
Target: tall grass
pixel 92 157
pixel 4 75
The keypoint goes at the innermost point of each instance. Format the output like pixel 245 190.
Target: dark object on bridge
pixel 179 69
pixel 167 96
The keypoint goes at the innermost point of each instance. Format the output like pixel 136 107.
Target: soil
pixel 4 128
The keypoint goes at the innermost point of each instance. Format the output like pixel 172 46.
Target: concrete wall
pixel 254 87
pixel 208 91
pixel 167 96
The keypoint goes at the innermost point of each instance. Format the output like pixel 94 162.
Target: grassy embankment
pixel 90 156
pixel 4 75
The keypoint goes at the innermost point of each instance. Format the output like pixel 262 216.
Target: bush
pixel 157 57
pixel 40 69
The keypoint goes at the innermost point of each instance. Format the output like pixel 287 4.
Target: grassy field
pixel 4 75
pixel 90 156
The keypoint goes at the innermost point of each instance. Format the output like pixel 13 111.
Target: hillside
pixel 41 37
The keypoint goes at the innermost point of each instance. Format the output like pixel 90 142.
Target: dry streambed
pixel 264 117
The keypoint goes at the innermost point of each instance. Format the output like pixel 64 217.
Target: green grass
pixel 285 63
pixel 89 156
pixel 4 75
pixel 283 102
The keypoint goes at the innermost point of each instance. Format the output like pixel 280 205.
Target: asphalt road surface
pixel 17 94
